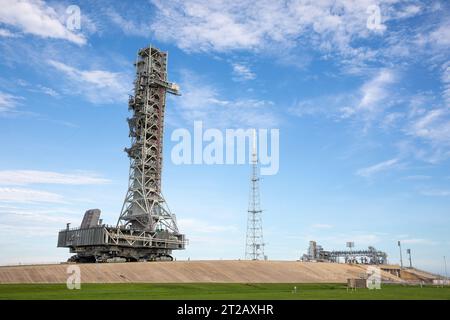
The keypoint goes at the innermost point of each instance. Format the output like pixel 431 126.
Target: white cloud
pixel 203 26
pixel 225 25
pixel 26 177
pixel 428 124
pixel 37 18
pixel 422 119
pixel 377 168
pixel 202 101
pixel 18 195
pixel 391 120
pixel 6 33
pixel 446 82
pixel 376 89
pixel 39 88
pixel 366 104
pixel 46 90
pixel 98 86
pixel 8 102
pixel 441 35
pixel 242 72
pixel 329 106
pixel 128 26
pixel 333 28
pixel 430 152
pixel 433 126
pixel 406 12
pixel 297 28
pixel 373 96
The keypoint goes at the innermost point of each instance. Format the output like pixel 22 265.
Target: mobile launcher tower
pixel 146 229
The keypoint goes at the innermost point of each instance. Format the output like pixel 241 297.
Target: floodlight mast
pixel 401 256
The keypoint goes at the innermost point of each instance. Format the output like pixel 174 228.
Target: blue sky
pixel 363 115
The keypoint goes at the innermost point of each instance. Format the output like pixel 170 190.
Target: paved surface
pixel 219 271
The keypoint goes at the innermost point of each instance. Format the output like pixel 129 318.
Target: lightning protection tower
pixel 254 248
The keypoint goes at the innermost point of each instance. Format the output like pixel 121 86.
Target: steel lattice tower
pixel 146 229
pixel 144 207
pixel 254 248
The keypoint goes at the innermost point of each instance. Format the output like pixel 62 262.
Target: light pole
pixel 401 258
pixel 408 251
pixel 445 269
pixel 350 245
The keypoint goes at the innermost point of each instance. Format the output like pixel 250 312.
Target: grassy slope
pixel 216 291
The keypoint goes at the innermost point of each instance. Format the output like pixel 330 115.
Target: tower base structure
pixel 101 243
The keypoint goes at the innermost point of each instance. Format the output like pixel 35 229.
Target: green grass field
pixel 217 291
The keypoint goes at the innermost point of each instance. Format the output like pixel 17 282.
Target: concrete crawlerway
pixel 222 271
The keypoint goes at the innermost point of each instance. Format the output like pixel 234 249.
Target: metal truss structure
pixel 254 247
pixel 369 256
pixel 146 228
pixel 144 207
